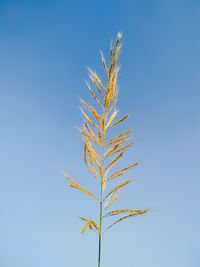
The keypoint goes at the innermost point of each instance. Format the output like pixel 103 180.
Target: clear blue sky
pixel 45 49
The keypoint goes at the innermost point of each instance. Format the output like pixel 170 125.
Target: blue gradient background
pixel 45 49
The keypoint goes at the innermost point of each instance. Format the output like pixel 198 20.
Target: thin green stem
pixel 99 259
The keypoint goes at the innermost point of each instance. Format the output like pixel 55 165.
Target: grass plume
pixel 102 154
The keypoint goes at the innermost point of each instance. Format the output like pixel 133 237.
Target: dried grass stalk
pixel 96 142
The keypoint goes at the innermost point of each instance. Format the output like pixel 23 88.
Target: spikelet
pixel 93 168
pixel 70 179
pixel 119 150
pixel 83 219
pixel 111 118
pixel 122 184
pixel 119 141
pixel 92 160
pixel 110 198
pixel 88 119
pixel 114 101
pixel 84 133
pixel 118 212
pixel 94 224
pixel 131 166
pixel 85 160
pixel 104 63
pixel 104 185
pixel 97 87
pixel 115 176
pixel 113 162
pixel 93 111
pixel 109 96
pixel 92 151
pixel 87 165
pixel 85 191
pixel 100 138
pixel 119 121
pixel 94 75
pixel 111 149
pixel 125 217
pixel 103 126
pixel 114 55
pixel 85 227
pixel 91 156
pixel 94 96
pixel 90 131
pixel 89 223
pixel 101 172
pixel 111 87
pixel 121 172
pixel 112 202
pixel 77 186
pixel 119 136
